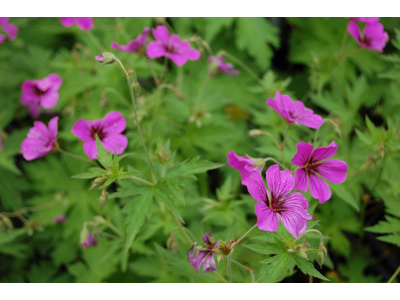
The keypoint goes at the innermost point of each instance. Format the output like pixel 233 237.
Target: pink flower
pixel 365 19
pixel 134 45
pixel 276 203
pixel 243 163
pixel 314 162
pixel 171 46
pixel 41 92
pixel 294 112
pixel 90 241
pixel 108 130
pixel 40 139
pixel 205 256
pixel 10 29
pixel 225 68
pixel 372 38
pixel 85 24
pixel 61 218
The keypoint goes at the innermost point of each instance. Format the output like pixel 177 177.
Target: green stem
pixel 76 156
pixel 228 261
pixel 114 229
pixel 184 233
pixel 118 94
pixel 274 160
pixel 24 210
pixel 283 143
pixel 344 39
pixel 270 135
pixel 122 30
pixel 164 68
pixel 201 91
pixel 153 73
pixel 179 78
pixel 310 279
pixel 134 178
pixel 244 235
pixel 246 268
pixel 220 276
pixel 394 275
pixel 315 136
pixel 244 66
pixel 321 237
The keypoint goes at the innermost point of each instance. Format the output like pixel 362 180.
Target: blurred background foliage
pixel 310 59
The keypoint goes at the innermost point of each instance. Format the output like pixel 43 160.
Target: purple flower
pixel 171 46
pixel 134 45
pixel 204 256
pixel 41 92
pixel 312 163
pixel 61 218
pixel 365 19
pixel 221 67
pixel 276 203
pixel 372 38
pixel 244 164
pixel 85 24
pixel 40 139
pixel 108 130
pixel 10 29
pixel 294 112
pixel 90 241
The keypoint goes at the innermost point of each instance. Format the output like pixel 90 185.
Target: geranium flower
pixel 314 162
pixel 365 19
pixel 244 164
pixel 85 24
pixel 9 29
pixel 61 218
pixel 294 112
pixel 221 67
pixel 134 45
pixel 40 139
pixel 41 92
pixel 90 241
pixel 204 256
pixel 108 130
pixel 373 36
pixel 171 46
pixel 277 203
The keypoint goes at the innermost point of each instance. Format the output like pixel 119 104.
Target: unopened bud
pixel 259 162
pixel 302 250
pixel 255 133
pixel 213 65
pixel 98 182
pixel 224 248
pixel 84 237
pixel 106 58
pixel 99 220
pixel 322 254
pixel 103 198
pixel 172 243
pixel 136 89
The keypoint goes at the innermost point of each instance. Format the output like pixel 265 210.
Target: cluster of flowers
pixel 9 29
pixel 279 202
pixel 373 36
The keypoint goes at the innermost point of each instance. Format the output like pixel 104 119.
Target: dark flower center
pixel 39 92
pixel 97 131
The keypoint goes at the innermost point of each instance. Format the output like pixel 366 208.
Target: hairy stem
pixel 201 91
pixel 228 261
pixel 248 269
pixel 244 235
pixel 76 156
pixel 283 143
pixel 394 275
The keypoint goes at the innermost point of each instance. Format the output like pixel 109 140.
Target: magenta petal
pixel 192 54
pixel 90 149
pixel 53 126
pixel 115 141
pixel 297 200
pixel 255 186
pixel 4 21
pixel 82 131
pixel 280 183
pixel 114 122
pixel 333 170
pixel 49 99
pixel 11 30
pixel 319 188
pixel 303 153
pixel 34 110
pixel 206 238
pixel 354 31
pixel 56 81
pixel 2 38
pixel 301 180
pixel 67 21
pixel 243 164
pixel 155 49
pixel 85 24
pixel 294 223
pixel 312 121
pixel 209 264
pixel 324 152
pixel 195 261
pixel 32 148
pixel 266 219
pixel 38 131
pixel 179 59
pixel 161 34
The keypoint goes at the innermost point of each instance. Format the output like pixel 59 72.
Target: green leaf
pixel 259 48
pixel 343 193
pixel 164 194
pixel 193 166
pixel 306 267
pixel 137 210
pixel 104 157
pixel 266 248
pixel 91 173
pixel 276 265
pixel 215 25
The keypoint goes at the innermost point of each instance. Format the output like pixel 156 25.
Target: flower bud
pixel 259 162
pixel 98 182
pixel 136 89
pixel 106 58
pixel 255 133
pixel 61 218
pixel 99 220
pixel 172 243
pixel 224 248
pixel 322 254
pixel 84 237
pixel 103 198
pixel 302 249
